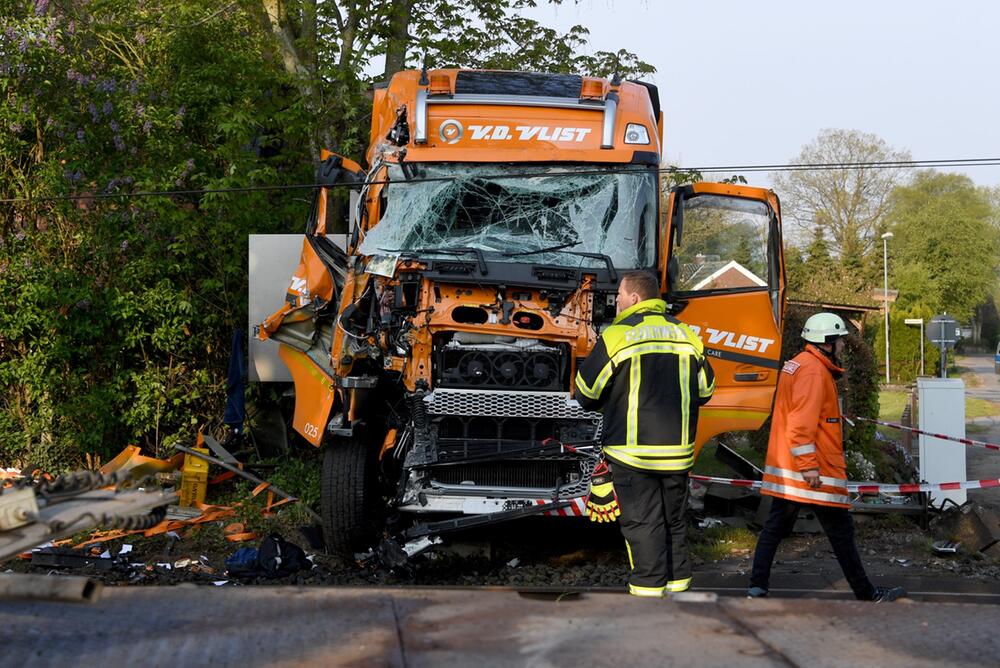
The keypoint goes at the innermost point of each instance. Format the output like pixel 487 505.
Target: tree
pixel 946 250
pixel 116 311
pixel 326 46
pixel 848 205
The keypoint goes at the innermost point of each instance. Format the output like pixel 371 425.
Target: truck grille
pixel 551 405
pixel 573 475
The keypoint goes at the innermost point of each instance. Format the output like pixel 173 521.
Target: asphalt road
pixel 982 366
pixel 980 463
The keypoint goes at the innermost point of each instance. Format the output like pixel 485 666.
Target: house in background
pixel 710 274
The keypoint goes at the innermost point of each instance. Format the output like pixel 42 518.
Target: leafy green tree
pixel 116 312
pixel 846 206
pixel 946 250
pixel 326 47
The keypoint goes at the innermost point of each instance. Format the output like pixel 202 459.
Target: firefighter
pixel 647 375
pixel 805 465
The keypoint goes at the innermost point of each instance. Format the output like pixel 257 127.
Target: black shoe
pixel 887 594
pixel 756 592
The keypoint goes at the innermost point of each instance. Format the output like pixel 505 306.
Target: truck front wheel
pixel 350 503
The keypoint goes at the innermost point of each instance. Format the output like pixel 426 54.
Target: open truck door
pixel 723 272
pixel 304 325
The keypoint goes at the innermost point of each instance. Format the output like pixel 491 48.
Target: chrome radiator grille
pixel 506 403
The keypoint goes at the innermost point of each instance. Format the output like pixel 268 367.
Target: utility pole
pixel 885 296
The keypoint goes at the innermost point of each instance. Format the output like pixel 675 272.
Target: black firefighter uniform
pixel 648 375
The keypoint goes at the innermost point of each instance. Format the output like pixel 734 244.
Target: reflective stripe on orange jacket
pixel 806 433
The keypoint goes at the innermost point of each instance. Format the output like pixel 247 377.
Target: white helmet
pixel 824 328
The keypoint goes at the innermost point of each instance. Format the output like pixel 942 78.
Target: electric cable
pixel 710 169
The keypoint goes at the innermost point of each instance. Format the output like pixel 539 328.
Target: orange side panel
pixel 314 394
pixel 311 280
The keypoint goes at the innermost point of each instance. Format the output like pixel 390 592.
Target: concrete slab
pixel 286 626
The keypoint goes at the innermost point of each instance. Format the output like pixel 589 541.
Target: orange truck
pixel 433 357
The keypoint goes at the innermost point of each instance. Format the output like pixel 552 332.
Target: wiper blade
pixel 599 256
pixel 536 251
pixel 464 250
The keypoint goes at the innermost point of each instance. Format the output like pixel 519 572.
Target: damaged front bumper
pixel 488 451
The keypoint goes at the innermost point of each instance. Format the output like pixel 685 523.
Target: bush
pixel 904 347
pixel 116 312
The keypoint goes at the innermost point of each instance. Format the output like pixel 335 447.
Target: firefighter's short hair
pixel 642 283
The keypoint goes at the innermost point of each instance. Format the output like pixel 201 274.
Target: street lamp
pixel 885 296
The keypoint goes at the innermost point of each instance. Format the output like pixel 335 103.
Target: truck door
pixel 724 273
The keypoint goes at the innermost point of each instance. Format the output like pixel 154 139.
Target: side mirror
pixel 337 169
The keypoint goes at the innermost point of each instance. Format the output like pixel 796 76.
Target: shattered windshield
pixel 577 208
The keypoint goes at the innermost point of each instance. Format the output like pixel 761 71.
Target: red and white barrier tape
pixel 868 487
pixel 945 437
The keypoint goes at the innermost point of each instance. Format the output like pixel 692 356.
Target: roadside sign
pixel 943 331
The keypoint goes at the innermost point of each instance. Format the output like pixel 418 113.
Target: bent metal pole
pixel 249 476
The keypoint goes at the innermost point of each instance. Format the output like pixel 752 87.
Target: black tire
pixel 350 503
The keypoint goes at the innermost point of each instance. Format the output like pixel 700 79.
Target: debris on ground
pixel 275 558
pixel 945 547
pixel 975 527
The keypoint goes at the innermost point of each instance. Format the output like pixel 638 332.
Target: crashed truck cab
pixel 433 358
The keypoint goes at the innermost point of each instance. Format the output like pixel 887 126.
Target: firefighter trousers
pixel 652 522
pixel 839 529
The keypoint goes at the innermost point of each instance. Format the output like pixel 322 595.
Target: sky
pixel 753 82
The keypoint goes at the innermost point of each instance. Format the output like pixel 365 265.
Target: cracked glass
pixel 504 210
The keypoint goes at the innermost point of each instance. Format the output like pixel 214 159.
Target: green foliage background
pixel 116 313
pixel 904 346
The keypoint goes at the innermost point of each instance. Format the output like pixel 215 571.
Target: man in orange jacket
pixel 805 464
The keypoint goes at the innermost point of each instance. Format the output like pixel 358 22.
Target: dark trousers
pixel 652 522
pixel 839 529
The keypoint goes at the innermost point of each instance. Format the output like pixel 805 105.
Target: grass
pixel 720 542
pixel 980 408
pixel 892 402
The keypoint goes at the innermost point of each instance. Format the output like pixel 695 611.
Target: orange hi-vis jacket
pixel 806 433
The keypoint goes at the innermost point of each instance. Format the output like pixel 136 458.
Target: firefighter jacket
pixel 647 375
pixel 806 433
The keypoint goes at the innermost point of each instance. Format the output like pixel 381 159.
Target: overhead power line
pixel 709 169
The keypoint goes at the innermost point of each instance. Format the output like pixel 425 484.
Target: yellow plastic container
pixel 194 479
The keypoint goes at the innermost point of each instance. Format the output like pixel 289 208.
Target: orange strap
pixel 222 477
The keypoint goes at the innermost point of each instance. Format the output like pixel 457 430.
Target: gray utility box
pixel 942 411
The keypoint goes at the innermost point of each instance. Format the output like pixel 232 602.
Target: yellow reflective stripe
pixel 654 592
pixel 705 390
pixel 632 418
pixel 663 464
pixel 679 585
pixel 682 349
pixel 631 563
pixel 653 450
pixel 685 374
pixel 594 391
